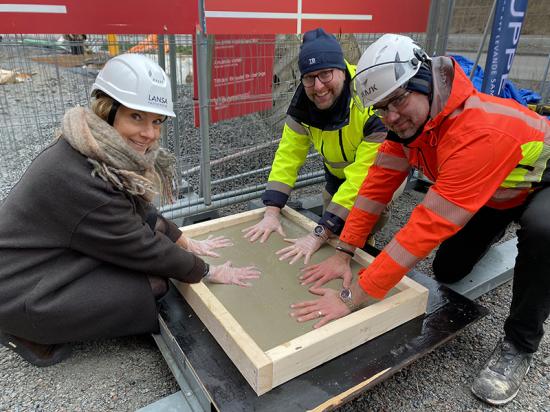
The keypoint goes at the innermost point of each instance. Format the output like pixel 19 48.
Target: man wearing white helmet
pixel 488 158
pixel 85 255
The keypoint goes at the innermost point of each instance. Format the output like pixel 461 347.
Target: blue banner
pixel 507 23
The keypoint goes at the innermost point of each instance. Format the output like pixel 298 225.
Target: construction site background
pixel 537 18
pixel 228 162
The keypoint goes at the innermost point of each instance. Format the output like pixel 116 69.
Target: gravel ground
pixel 129 373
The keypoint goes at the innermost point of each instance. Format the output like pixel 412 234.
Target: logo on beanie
pixel 312 60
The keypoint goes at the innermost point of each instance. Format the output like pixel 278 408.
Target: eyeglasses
pixel 357 91
pixel 324 77
pixel 393 105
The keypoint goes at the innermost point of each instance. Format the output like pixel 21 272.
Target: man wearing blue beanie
pixel 321 113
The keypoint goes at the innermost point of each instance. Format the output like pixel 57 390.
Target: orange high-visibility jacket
pixel 477 149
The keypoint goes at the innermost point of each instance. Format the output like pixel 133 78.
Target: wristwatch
pixel 320 231
pixel 345 296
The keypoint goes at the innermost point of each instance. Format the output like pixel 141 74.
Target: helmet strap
pixel 112 112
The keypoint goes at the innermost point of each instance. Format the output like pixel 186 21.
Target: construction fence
pixel 227 160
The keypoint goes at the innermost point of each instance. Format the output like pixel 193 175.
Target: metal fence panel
pixel 241 148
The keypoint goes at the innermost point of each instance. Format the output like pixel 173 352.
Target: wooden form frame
pixel 264 370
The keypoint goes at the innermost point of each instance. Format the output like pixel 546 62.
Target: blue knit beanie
pixel 320 50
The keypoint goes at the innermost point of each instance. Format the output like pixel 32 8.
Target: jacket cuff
pixel 381 276
pixel 274 198
pixel 357 241
pixel 172 231
pixel 334 223
pixel 369 287
pixel 199 270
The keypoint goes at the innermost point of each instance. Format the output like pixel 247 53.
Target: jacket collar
pixel 451 87
pixel 303 110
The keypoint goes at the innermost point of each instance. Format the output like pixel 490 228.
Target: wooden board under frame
pixel 266 369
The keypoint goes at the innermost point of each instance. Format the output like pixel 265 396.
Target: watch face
pixel 319 230
pixel 345 294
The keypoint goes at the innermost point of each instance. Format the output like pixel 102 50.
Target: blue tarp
pixel 523 96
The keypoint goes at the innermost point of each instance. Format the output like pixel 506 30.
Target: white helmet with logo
pixel 387 64
pixel 136 82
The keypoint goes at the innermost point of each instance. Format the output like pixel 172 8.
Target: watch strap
pixel 346 251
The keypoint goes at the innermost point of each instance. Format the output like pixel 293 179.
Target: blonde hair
pixel 101 105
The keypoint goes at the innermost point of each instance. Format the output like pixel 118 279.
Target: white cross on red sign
pixel 298 16
pixel 222 16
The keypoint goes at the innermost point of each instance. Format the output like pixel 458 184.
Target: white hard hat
pixel 387 64
pixel 136 82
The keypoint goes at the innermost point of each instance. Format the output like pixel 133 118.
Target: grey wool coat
pixel 75 253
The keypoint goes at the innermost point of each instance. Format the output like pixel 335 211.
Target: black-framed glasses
pixel 325 76
pixel 360 96
pixel 393 104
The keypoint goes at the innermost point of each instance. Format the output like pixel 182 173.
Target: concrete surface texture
pixel 263 309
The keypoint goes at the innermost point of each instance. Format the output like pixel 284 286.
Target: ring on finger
pixel 320 314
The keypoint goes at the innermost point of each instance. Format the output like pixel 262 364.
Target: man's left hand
pixel 302 247
pixel 328 307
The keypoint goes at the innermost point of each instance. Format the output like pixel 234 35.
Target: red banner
pixel 99 16
pixel 298 16
pixel 222 16
pixel 242 76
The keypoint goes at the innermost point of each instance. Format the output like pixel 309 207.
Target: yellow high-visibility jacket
pixel 348 145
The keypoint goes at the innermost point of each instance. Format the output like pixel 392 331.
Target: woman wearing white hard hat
pixel 84 253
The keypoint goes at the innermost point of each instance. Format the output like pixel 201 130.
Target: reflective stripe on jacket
pixel 478 149
pixel 347 153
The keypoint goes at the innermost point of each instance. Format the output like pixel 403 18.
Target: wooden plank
pixel 251 361
pixel 339 400
pixel 361 257
pixel 344 375
pixel 337 337
pixel 298 218
pixel 408 283
pixel 217 224
pixel 264 370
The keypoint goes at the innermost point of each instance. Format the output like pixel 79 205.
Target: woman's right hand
pixel 336 266
pixel 269 223
pixel 229 275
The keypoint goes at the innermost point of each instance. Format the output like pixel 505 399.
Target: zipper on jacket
pixel 342 145
pixel 426 170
